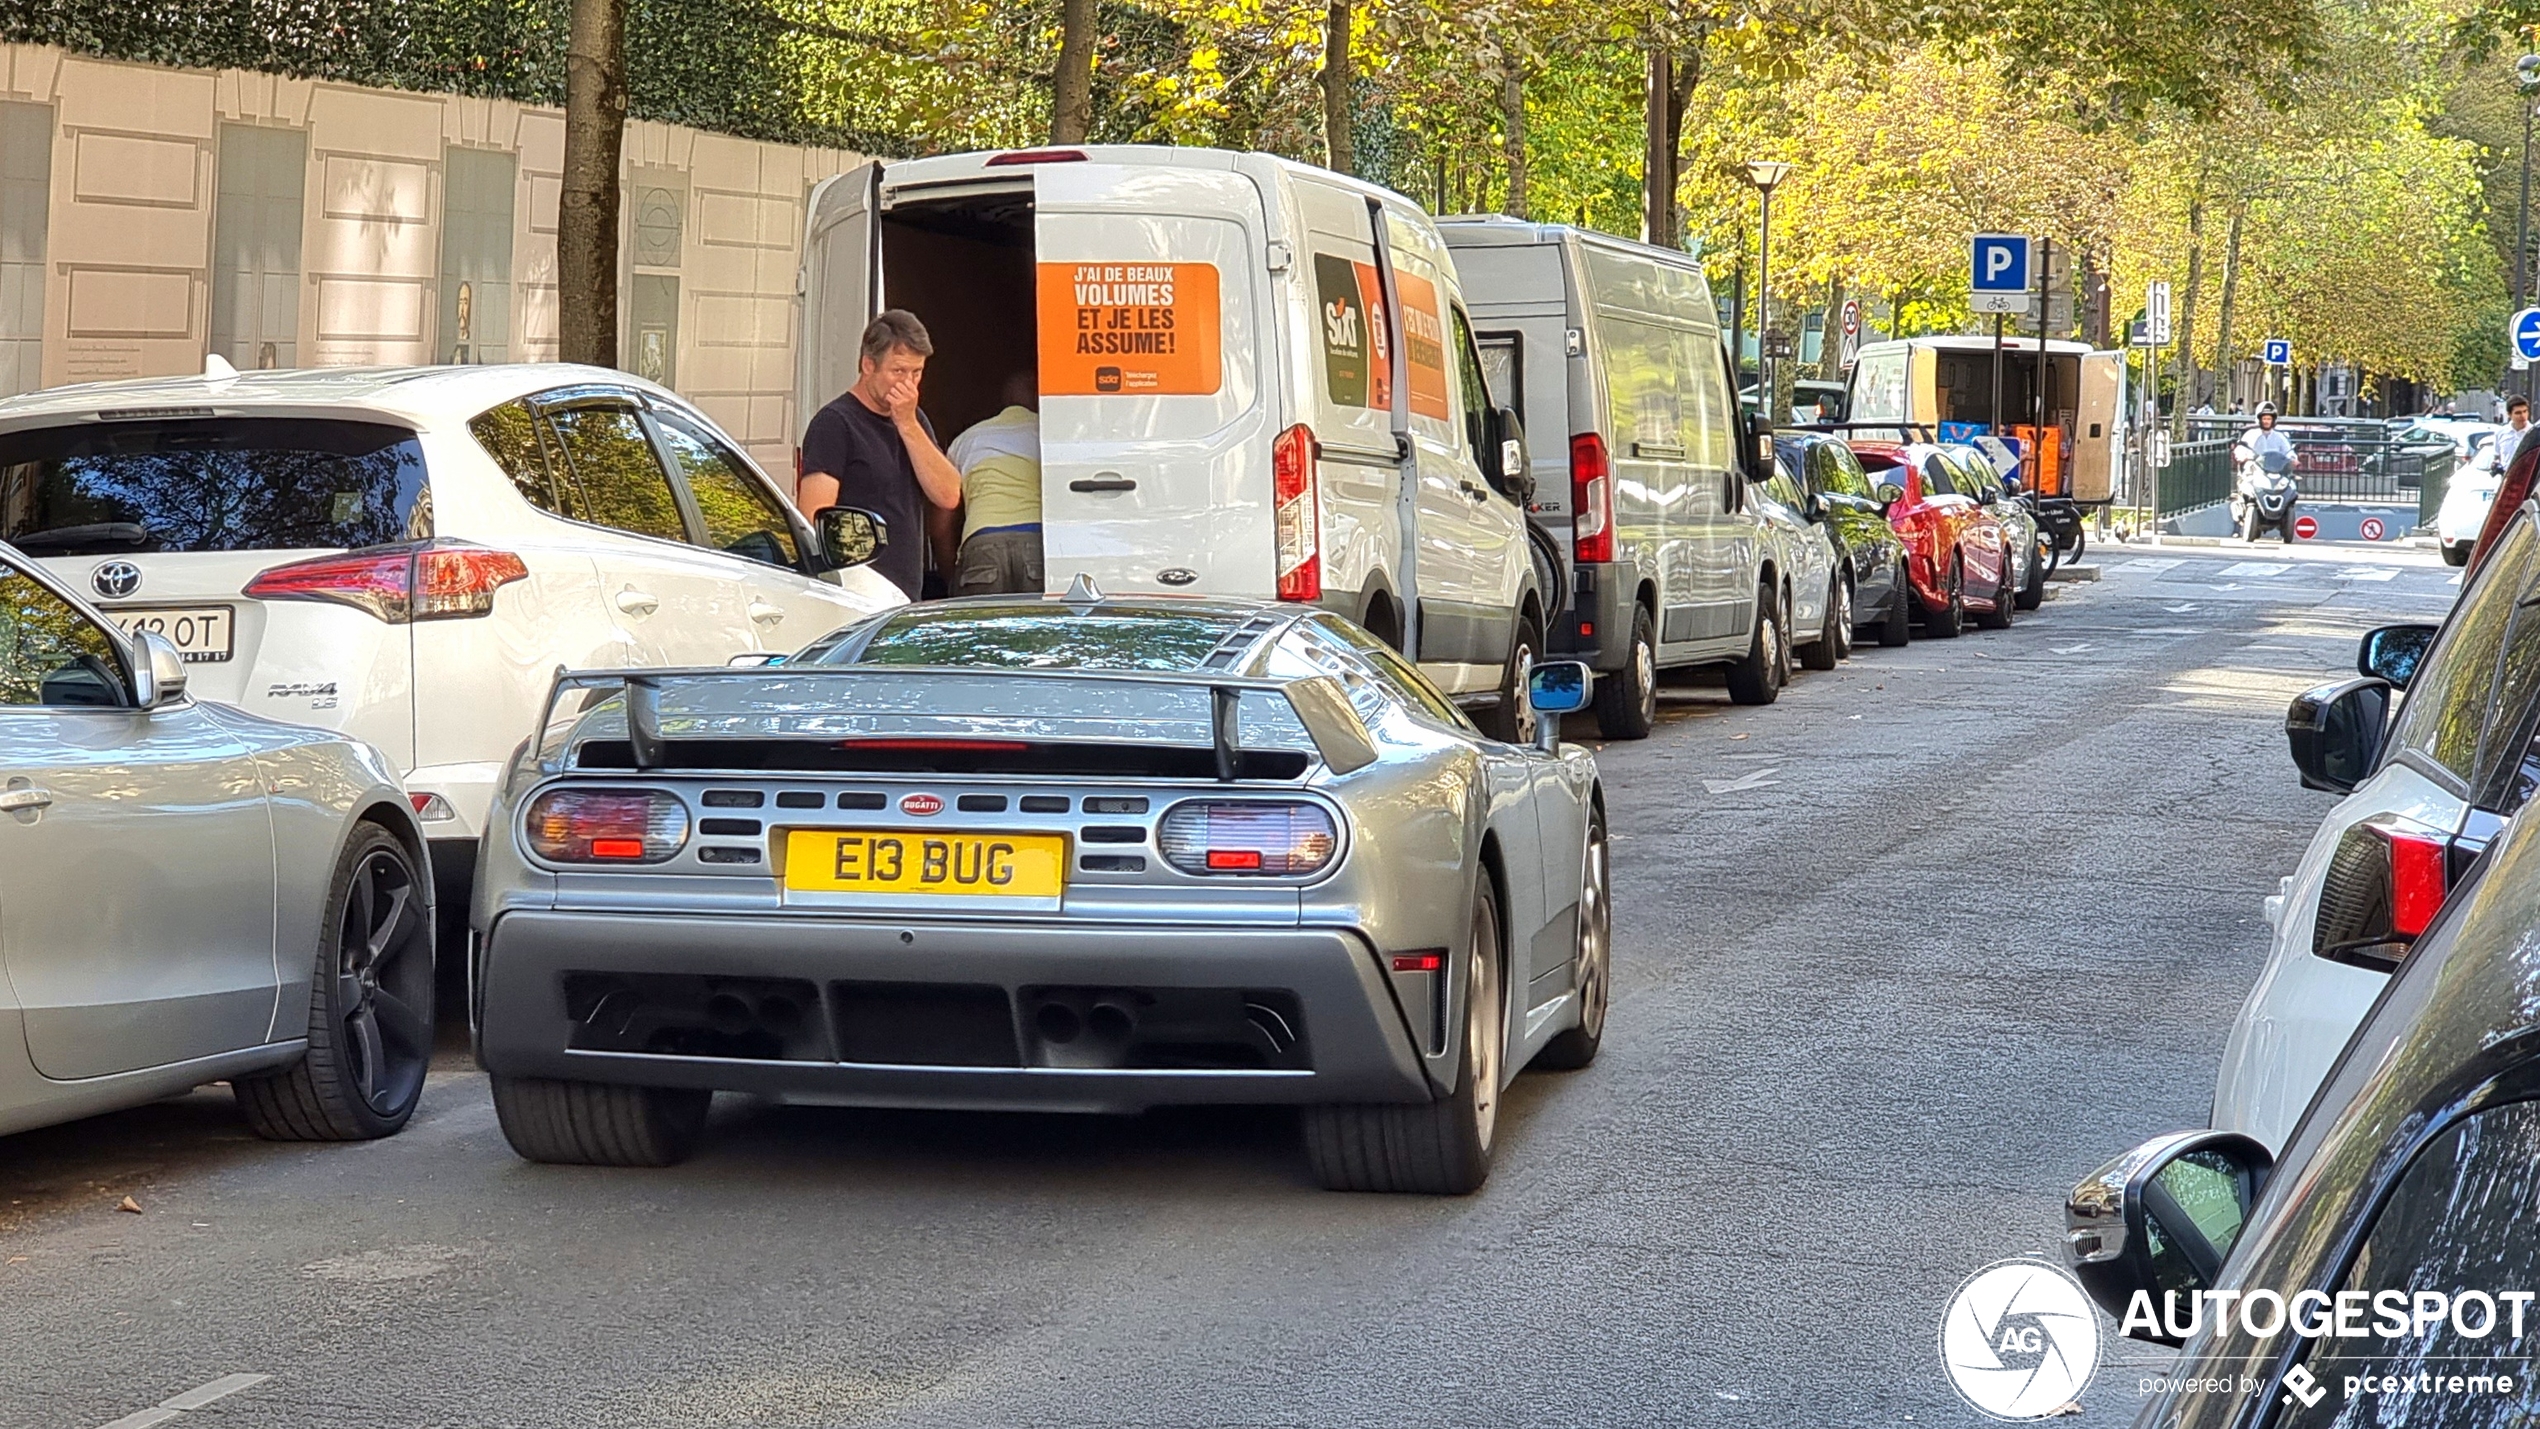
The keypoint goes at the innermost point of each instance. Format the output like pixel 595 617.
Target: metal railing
pixel 2344 459
pixel 2199 474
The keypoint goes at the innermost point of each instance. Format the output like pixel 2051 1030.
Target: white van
pixel 1257 379
pixel 1611 352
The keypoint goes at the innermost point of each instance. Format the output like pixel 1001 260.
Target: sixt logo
pixel 921 805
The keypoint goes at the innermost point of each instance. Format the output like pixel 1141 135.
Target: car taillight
pixel 437 580
pixel 1252 837
pixel 2384 884
pixel 1591 500
pixel 1296 515
pixel 605 825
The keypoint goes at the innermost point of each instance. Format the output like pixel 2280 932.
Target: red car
pixel 1956 554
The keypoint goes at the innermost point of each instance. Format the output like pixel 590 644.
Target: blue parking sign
pixel 1998 263
pixel 2526 332
pixel 2278 352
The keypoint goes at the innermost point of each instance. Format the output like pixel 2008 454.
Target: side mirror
pixel 851 536
pixel 1888 493
pixel 1556 688
pixel 2161 1220
pixel 158 679
pixel 1503 459
pixel 1759 440
pixel 2393 652
pixel 2336 732
pixel 2010 486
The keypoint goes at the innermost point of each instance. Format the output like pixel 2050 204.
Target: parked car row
pixel 2374 1126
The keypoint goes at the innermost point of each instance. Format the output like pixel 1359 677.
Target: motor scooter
pixel 2263 497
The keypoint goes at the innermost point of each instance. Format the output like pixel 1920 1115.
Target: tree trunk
pixel 1658 151
pixel 1830 344
pixel 1512 118
pixel 586 215
pixel 1337 154
pixel 1688 71
pixel 2183 395
pixel 2223 363
pixel 1072 102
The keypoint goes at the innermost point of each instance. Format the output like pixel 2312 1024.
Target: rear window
pixel 211 484
pixel 1035 639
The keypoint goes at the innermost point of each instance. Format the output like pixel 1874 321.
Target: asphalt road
pixel 1897 960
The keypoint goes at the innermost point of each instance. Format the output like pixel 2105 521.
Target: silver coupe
pixel 191 894
pixel 1072 853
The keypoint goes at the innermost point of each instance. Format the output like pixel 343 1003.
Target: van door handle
pixel 766 614
pixel 25 798
pixel 1657 449
pixel 1475 492
pixel 636 602
pixel 1102 483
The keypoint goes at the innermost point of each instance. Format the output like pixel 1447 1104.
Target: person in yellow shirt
pixel 1000 462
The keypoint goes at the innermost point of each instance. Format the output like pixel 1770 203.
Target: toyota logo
pixel 921 805
pixel 116 579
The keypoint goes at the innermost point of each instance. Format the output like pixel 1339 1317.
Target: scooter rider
pixel 2263 438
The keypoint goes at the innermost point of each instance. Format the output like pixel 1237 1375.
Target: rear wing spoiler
pixel 1109 699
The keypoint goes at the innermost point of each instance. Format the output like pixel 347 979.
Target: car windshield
pixel 1037 637
pixel 211 484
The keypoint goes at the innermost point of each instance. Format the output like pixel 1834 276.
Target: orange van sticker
pixel 1357 367
pixel 1423 344
pixel 1142 329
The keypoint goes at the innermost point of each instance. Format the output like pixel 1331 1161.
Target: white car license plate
pixel 203 634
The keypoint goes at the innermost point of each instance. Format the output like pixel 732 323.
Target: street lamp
pixel 2527 82
pixel 1764 174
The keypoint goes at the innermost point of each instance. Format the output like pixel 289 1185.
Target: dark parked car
pixel 2396 1234
pixel 1818 476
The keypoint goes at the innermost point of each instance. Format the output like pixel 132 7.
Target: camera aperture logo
pixel 2019 1340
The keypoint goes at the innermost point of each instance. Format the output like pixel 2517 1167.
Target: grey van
pixel 1610 352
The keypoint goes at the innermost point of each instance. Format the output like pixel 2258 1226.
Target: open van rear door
pixel 2098 433
pixel 842 257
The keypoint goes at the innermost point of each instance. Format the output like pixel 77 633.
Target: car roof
pixel 421 394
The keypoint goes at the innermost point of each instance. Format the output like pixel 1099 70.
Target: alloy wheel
pixel 1596 934
pixel 1485 1031
pixel 381 988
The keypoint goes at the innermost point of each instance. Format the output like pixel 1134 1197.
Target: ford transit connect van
pixel 1611 352
pixel 1256 378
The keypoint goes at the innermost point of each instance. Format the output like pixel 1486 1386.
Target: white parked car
pixel 2466 498
pixel 407 555
pixel 2430 788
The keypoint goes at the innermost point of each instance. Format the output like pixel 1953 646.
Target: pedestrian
pixel 2517 428
pixel 873 448
pixel 1000 463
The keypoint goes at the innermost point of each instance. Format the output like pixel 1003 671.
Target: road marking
pixel 2235 585
pixel 195 1398
pixel 2179 609
pixel 2368 573
pixel 2255 568
pixel 2069 649
pixel 2168 630
pixel 1752 779
pixel 2153 566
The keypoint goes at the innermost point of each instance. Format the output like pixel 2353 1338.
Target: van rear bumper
pixel 1597 626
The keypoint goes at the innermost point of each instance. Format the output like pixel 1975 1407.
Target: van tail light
pixel 1036 156
pixel 605 825
pixel 437 580
pixel 1591 500
pixel 1250 837
pixel 1294 512
pixel 2385 883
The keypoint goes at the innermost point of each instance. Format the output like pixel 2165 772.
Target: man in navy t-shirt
pixel 873 448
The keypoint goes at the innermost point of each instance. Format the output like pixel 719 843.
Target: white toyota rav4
pixel 407 555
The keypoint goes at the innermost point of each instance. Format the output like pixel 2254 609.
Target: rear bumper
pixel 1597 625
pixel 866 992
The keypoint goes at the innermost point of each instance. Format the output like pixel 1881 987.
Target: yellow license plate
pixel 902 861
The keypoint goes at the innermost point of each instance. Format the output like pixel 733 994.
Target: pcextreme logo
pixel 2019 1340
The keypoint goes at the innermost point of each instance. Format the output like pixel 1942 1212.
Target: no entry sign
pixel 2372 528
pixel 2305 527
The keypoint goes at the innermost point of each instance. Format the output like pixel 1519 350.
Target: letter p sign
pixel 2000 263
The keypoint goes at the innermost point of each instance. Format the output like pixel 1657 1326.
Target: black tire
pixel 2284 528
pixel 1834 638
pixel 2004 597
pixel 2249 523
pixel 1594 978
pixel 2456 555
pixel 1898 628
pixel 1436 1148
pixel 1787 669
pixel 370 1006
pixel 2081 543
pixel 598 1124
pixel 1754 679
pixel 2041 563
pixel 1627 699
pixel 1512 720
pixel 1950 619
